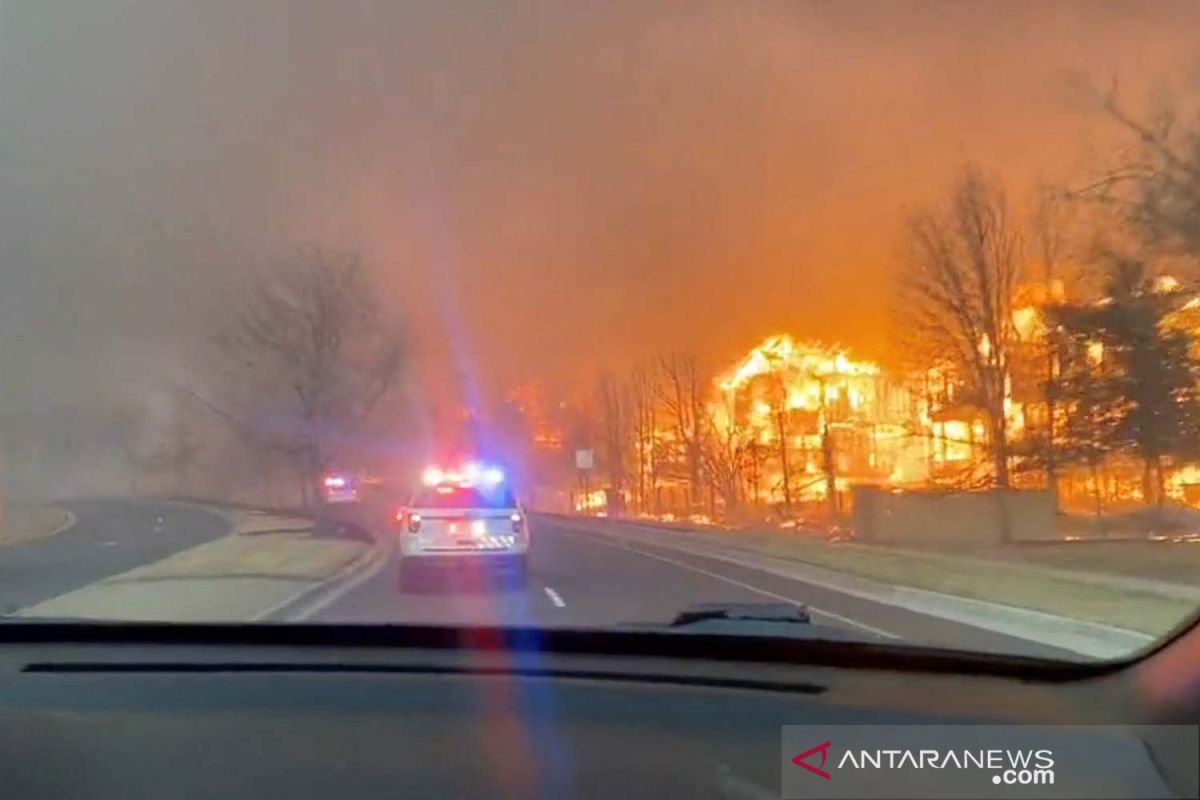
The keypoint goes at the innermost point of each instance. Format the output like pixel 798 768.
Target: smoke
pixel 542 188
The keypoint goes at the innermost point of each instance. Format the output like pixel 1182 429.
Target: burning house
pixel 794 424
pixel 816 421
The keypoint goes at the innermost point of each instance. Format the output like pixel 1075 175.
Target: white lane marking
pixel 108 544
pixel 764 592
pixel 555 598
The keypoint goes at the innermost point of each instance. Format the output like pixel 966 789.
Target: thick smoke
pixel 541 187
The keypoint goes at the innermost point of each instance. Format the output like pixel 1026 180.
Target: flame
pixel 848 421
pixel 830 400
pixel 1166 283
pixel 1028 322
pixel 780 353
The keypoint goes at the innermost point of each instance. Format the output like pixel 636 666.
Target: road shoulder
pixel 267 561
pixel 25 523
pixel 1082 636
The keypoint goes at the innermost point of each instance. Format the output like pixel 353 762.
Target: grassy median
pixel 1030 576
pixel 22 523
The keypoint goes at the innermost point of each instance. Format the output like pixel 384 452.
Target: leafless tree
pixel 682 399
pixel 756 459
pixel 724 451
pixel 643 394
pixel 1051 246
pixel 781 421
pixel 1155 184
pixel 309 357
pixel 613 403
pixel 147 455
pixel 961 270
pixel 828 456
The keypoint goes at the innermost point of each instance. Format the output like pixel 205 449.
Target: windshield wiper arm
pixel 742 612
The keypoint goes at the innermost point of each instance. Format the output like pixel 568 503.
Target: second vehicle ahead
pixel 467 518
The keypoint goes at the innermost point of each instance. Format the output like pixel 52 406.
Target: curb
pixel 1080 636
pixel 307 599
pixel 69 521
pixel 1166 588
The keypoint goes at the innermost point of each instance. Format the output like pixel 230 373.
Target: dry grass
pixel 1174 562
pixel 276 555
pixel 28 523
pixel 1028 576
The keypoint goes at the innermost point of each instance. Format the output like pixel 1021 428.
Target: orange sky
pixel 543 187
pixel 697 181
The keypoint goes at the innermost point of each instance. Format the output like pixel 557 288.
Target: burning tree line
pixel 1058 350
pixel 1092 373
pixel 777 428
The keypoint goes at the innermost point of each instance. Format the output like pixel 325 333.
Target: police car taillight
pixel 414 523
pixel 517 522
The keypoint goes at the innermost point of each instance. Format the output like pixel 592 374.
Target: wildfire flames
pixel 816 419
pixel 795 424
pixel 819 421
pixel 780 353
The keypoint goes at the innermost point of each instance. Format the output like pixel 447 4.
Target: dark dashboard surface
pixel 98 719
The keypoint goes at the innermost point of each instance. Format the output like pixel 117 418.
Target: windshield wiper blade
pixel 742 612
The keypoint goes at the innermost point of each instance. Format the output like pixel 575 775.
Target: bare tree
pixel 682 398
pixel 1155 186
pixel 756 459
pixel 828 456
pixel 781 420
pixel 1050 246
pixel 147 455
pixel 725 451
pixel 962 267
pixel 310 356
pixel 643 402
pixel 613 402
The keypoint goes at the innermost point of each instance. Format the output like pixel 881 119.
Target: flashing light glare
pixel 479 527
pixel 515 517
pixel 335 482
pixel 469 474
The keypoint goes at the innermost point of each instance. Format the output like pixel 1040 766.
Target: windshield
pixel 848 321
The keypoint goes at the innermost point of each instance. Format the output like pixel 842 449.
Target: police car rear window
pixel 460 497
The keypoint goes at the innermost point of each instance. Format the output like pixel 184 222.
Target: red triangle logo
pixel 800 761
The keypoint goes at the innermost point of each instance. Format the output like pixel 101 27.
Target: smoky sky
pixel 542 188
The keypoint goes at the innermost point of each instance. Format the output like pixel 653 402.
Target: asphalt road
pixel 579 579
pixel 109 537
pixel 576 579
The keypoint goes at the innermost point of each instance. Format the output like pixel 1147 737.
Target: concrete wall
pixel 931 518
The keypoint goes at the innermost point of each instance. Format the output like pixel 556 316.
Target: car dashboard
pixel 281 711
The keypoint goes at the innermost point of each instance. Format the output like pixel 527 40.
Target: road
pixel 576 578
pixel 579 579
pixel 108 537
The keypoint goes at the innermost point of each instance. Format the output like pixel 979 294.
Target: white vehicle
pixel 453 518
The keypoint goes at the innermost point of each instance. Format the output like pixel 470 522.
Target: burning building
pixel 814 421
pixel 793 424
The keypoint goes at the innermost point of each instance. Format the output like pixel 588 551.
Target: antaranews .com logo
pixel 976 762
pixel 1009 767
